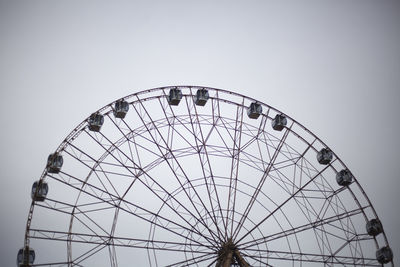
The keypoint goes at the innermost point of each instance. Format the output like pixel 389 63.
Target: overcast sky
pixel 334 66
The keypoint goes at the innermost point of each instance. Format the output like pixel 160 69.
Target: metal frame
pixel 189 185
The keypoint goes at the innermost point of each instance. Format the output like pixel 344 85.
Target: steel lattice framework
pixel 190 185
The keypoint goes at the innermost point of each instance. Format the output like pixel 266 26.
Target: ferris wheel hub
pixel 229 255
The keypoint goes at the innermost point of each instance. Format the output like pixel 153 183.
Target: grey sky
pixel 334 66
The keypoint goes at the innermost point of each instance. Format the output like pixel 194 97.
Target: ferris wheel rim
pixel 107 109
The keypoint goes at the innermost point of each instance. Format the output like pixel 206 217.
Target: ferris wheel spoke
pixel 232 151
pixel 315 213
pixel 193 260
pixel 61 263
pixel 181 172
pixel 257 259
pixel 112 145
pixel 331 205
pixel 200 150
pixel 283 203
pixel 154 181
pixel 112 254
pixel 84 214
pixel 275 168
pixel 234 170
pixel 133 135
pixel 66 208
pixel 86 238
pixel 205 162
pixel 314 257
pixel 183 121
pixel 131 139
pixel 91 168
pixel 140 212
pixel 261 183
pixel 301 228
pixel 323 235
pixel 213 262
pixel 95 169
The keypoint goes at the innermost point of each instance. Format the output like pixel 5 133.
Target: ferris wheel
pixel 198 176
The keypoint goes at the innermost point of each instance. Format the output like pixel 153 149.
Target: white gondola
pixel 54 163
pixel 344 177
pixel 95 121
pixel 279 122
pixel 201 97
pixel 374 227
pixel 39 191
pixel 254 110
pixel 25 257
pixel 121 108
pixel 324 156
pixel 174 96
pixel 384 255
